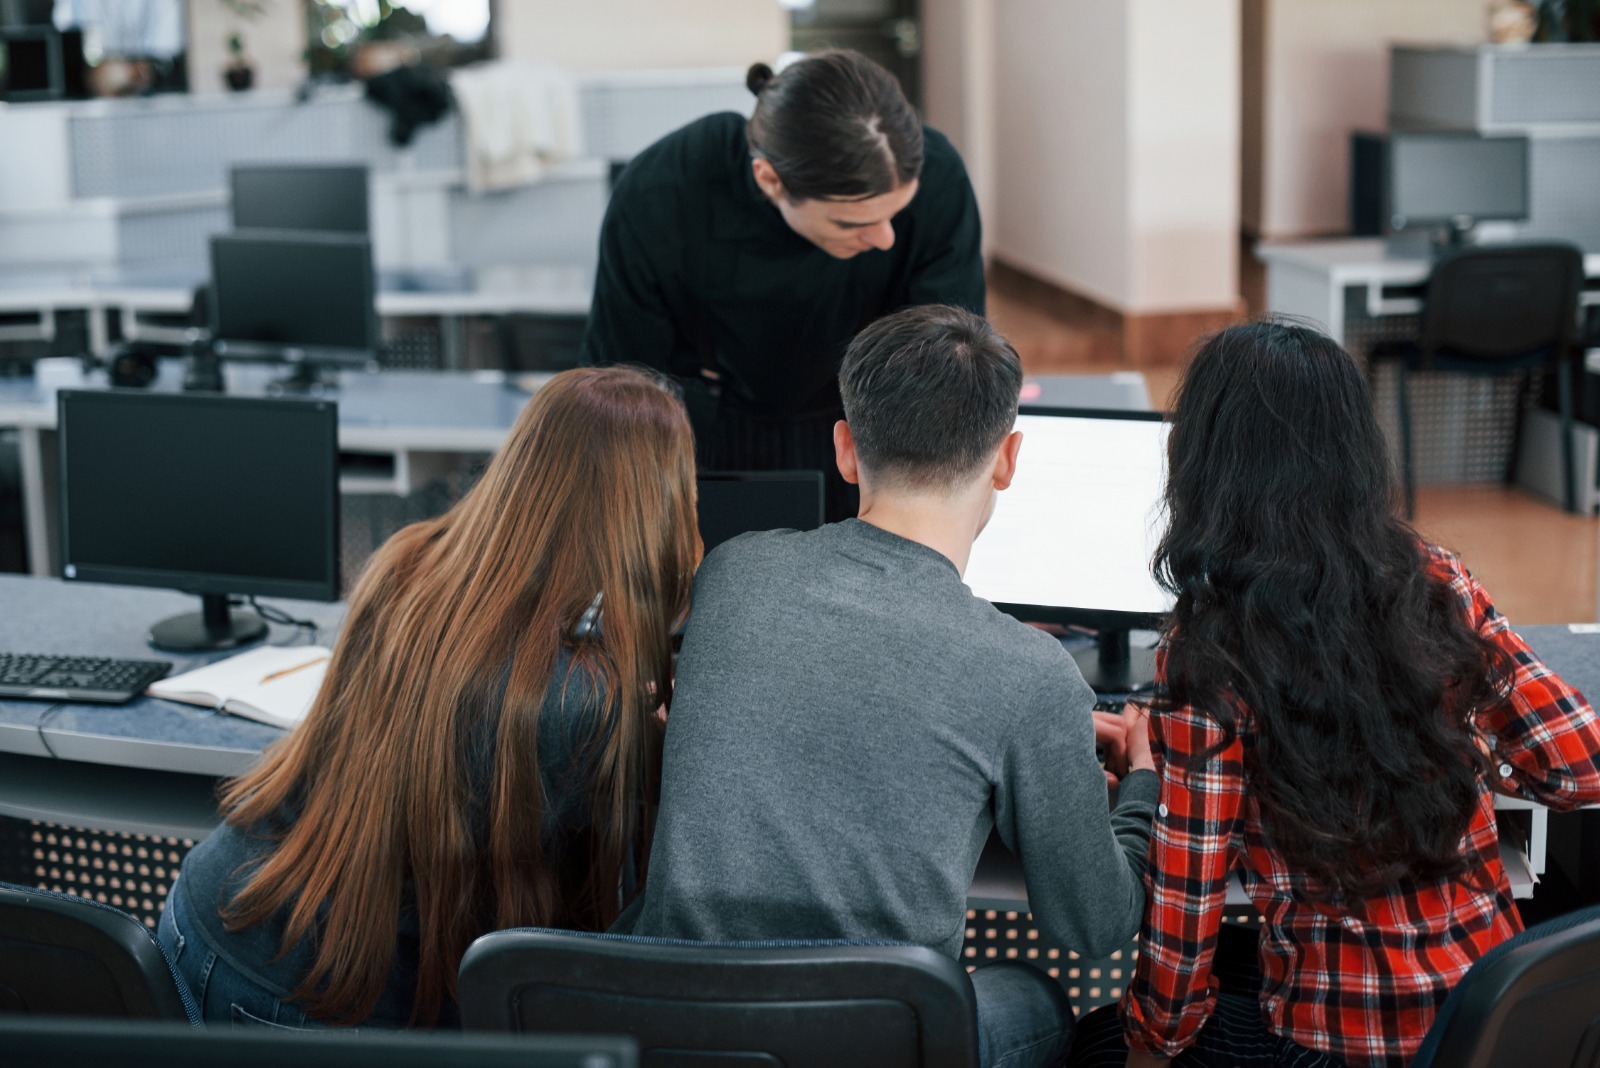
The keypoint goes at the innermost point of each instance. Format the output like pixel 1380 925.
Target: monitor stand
pixel 1113 666
pixel 1457 234
pixel 308 378
pixel 215 627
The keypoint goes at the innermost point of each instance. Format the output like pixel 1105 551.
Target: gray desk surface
pixel 55 616
pixel 1125 390
pixel 148 766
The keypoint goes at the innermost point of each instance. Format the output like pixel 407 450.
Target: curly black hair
pixel 1303 597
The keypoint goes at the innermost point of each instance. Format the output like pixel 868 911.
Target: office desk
pixel 149 766
pixel 1571 650
pixel 146 767
pixel 1362 290
pixel 168 289
pixel 415 425
pixel 410 425
pixel 1119 391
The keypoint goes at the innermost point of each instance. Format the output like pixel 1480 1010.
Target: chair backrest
pixel 47 1042
pixel 67 956
pixel 1534 999
pixel 727 1005
pixel 1500 302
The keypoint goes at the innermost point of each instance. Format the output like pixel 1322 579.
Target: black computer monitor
pixel 737 502
pixel 1450 181
pixel 50 1042
pixel 1072 540
pixel 301 298
pixel 300 196
pixel 204 493
pixel 32 67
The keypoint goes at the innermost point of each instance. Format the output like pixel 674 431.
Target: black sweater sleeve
pixel 949 264
pixel 628 320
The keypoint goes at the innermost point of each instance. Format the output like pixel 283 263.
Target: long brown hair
pixel 592 493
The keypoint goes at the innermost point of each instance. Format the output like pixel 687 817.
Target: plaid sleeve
pixel 1196 835
pixel 1545 739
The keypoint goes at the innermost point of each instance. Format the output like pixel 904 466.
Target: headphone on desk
pixel 132 368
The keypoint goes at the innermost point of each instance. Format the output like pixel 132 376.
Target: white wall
pixel 611 34
pixel 1183 154
pixel 1326 73
pixel 1117 147
pixel 1061 116
pixel 958 80
pixel 275 43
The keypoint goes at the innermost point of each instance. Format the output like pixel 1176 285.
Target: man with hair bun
pixel 741 257
pixel 850 723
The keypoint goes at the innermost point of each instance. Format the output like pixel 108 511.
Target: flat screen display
pixel 1077 529
pixel 277 291
pixel 300 197
pixel 207 494
pixel 1440 177
pixel 27 66
pixel 738 502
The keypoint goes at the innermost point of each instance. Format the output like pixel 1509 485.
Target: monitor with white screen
pixel 1072 540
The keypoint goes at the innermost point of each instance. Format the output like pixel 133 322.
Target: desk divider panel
pixel 132 872
pixel 1461 425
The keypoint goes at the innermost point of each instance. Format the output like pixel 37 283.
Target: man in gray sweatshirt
pixel 850 721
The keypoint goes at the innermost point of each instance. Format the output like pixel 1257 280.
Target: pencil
pixel 292 670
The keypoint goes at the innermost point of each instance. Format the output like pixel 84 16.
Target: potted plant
pixel 239 73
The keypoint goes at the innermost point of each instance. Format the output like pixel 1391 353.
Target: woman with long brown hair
pixel 482 749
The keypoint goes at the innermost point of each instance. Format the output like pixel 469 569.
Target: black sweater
pixel 699 270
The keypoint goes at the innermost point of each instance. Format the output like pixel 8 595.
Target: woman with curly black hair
pixel 1337 704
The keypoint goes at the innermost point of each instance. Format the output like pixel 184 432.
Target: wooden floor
pixel 1537 562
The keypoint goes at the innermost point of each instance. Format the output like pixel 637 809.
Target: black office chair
pixel 42 1042
pixel 1534 999
pixel 1496 310
pixel 67 956
pixel 727 1005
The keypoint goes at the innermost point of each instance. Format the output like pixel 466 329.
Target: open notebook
pixel 272 684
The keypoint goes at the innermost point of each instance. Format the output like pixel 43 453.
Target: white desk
pixel 1339 284
pixel 417 425
pixel 168 289
pixel 1363 291
pixel 411 425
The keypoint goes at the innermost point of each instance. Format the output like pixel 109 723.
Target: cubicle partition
pixel 145 180
pixel 1549 93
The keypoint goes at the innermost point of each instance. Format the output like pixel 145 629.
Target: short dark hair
pixel 835 126
pixel 929 393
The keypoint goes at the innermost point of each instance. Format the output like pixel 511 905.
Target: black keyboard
pixel 77 678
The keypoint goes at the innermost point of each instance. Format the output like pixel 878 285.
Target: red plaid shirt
pixel 1364 984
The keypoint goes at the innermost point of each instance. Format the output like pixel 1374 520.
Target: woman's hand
pixel 1136 721
pixel 1111 735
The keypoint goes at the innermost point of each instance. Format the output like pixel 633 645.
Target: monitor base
pixel 1112 666
pixel 214 628
pixel 308 379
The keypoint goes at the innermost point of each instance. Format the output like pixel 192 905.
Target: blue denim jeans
pixel 1024 1017
pixel 224 994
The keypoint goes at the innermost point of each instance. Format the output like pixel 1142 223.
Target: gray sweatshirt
pixel 849 723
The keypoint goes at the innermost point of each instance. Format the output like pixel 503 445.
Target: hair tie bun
pixel 757 77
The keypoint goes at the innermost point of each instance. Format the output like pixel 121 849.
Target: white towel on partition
pixel 520 119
